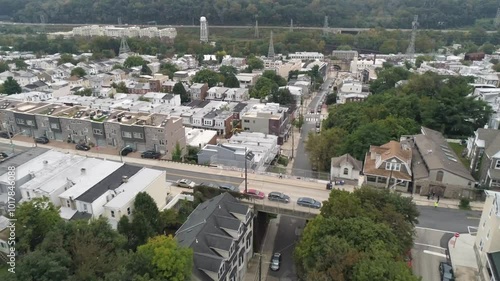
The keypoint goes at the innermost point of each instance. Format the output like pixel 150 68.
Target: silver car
pixel 275 262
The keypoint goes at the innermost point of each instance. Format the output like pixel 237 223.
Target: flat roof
pixel 55 170
pixel 93 175
pixel 19 159
pixel 36 164
pixel 137 183
pixel 111 182
pixel 194 137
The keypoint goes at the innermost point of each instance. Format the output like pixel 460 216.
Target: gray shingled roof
pixel 491 139
pixel 204 232
pixel 336 161
pixel 437 154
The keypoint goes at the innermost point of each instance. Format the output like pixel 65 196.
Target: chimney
pixel 45 162
pixel 124 179
pixel 83 170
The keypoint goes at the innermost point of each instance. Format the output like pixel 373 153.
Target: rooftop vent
pixel 45 162
pixel 83 170
pixel 124 179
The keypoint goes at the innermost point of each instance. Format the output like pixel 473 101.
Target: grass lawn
pixel 458 148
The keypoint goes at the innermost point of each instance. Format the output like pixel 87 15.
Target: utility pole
pixel 260 267
pixel 246 171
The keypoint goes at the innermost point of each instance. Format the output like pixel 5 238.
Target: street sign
pixel 457 234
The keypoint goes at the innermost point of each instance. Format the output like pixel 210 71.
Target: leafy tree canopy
pixel 180 90
pixel 10 86
pixel 134 61
pixel 78 71
pixel 207 76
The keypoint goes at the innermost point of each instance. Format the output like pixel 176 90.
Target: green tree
pixel 66 58
pixel 387 78
pixel 322 147
pixel 133 61
pixel 420 59
pixel 20 64
pixel 228 70
pixel 145 70
pixel 207 76
pixel 168 69
pixel 180 90
pixel 120 87
pixel 177 153
pixel 231 81
pixel 331 99
pixel 10 86
pixel 167 260
pixel 254 63
pixel 283 97
pixel 263 88
pixel 299 122
pixel 78 71
pixel 34 220
pixel 4 67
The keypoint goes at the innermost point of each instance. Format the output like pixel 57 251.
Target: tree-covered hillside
pixel 341 13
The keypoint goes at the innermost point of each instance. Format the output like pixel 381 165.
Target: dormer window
pixel 497 164
pixel 392 166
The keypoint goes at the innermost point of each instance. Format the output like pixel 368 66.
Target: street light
pixel 121 156
pixel 11 136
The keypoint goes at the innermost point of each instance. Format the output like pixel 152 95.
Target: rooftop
pixel 137 183
pixel 89 177
pixel 111 182
pixel 199 137
pixel 21 158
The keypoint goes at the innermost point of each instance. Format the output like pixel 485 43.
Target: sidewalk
pixel 462 257
pixel 266 251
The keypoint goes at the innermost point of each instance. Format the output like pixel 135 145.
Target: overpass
pixel 290 209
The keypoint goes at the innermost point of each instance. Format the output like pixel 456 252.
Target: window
pixel 246 121
pixel 68 204
pixel 439 176
pixel 160 131
pixel 481 245
pixel 128 211
pixel 54 126
pixel 162 142
pixel 20 121
pixel 488 235
pixel 127 135
pixel 346 171
pixel 85 207
pixel 138 135
pixel 371 178
pixel 30 123
pixel 392 166
pixel 28 194
pixel 497 164
pixel 112 214
pixel 97 132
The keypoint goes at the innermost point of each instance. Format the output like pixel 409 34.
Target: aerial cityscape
pixel 249 140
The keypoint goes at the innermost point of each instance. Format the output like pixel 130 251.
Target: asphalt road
pixel 5 147
pixel 436 227
pixel 287 236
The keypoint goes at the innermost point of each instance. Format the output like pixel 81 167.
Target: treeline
pixel 365 235
pixel 341 13
pixel 438 102
pixel 241 42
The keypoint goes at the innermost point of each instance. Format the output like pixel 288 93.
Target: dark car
pixel 209 184
pixel 276 262
pixel 6 135
pixel 127 150
pixel 229 187
pixel 309 202
pixel 42 140
pixel 446 272
pixel 278 196
pixel 82 146
pixel 3 155
pixel 151 154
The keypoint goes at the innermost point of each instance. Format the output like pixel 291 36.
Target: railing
pixel 289 209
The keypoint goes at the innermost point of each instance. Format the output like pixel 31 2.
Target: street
pixel 7 148
pixel 436 227
pixel 287 236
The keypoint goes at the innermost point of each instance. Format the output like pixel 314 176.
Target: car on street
pixel 82 146
pixel 126 150
pixel 3 155
pixel 229 187
pixel 42 140
pixel 151 154
pixel 6 135
pixel 446 271
pixel 255 194
pixel 309 202
pixel 186 183
pixel 276 262
pixel 278 196
pixel 209 184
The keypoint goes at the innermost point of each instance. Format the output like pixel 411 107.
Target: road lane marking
pixel 435 254
pixel 438 230
pixel 203 178
pixel 431 246
pixel 473 218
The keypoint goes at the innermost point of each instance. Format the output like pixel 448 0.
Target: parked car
pixel 82 146
pixel 276 262
pixel 255 194
pixel 126 150
pixel 6 135
pixel 151 154
pixel 278 196
pixel 309 202
pixel 209 184
pixel 42 140
pixel 229 187
pixel 3 155
pixel 186 183
pixel 446 272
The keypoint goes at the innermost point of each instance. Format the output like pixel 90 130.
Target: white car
pixel 186 183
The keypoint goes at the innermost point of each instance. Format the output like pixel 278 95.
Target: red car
pixel 255 194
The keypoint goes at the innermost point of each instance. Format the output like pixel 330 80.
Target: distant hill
pixel 341 13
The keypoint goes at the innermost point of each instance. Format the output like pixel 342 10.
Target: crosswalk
pixel 312 119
